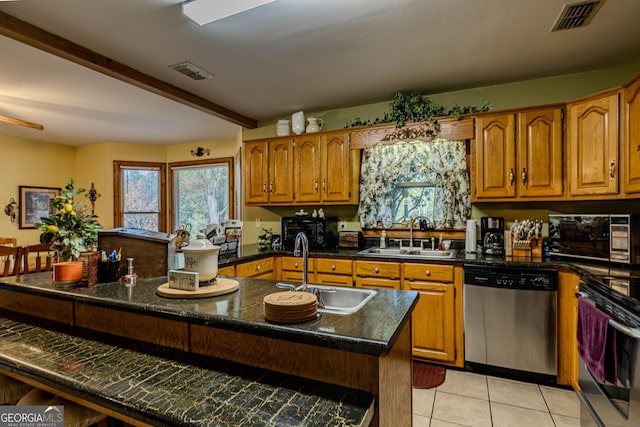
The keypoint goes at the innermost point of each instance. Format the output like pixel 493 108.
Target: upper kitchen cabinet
pixel 592 146
pixel 323 168
pixel 494 166
pixel 268 166
pixel 522 165
pixel 302 170
pixel 631 137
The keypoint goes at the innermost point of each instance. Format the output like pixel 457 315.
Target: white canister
pixel 282 128
pixel 471 237
pixel 297 122
pixel 202 256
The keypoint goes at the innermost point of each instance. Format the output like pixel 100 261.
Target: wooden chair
pixel 8 241
pixel 41 261
pixel 11 259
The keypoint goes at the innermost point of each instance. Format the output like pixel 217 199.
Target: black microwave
pixel 612 238
pixel 322 233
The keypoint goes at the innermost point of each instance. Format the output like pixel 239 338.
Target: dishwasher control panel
pixel 543 279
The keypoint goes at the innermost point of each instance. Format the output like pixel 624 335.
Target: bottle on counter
pixel 383 239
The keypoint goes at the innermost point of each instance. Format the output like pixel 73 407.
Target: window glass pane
pixel 141 190
pixel 201 195
pixel 410 201
pixel 142 221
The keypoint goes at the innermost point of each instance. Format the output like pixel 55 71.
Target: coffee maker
pixel 492 235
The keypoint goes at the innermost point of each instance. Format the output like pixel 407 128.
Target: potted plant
pixel 71 231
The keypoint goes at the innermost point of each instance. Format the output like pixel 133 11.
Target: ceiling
pixel 279 58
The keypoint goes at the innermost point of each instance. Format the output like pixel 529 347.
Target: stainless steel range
pixel 510 319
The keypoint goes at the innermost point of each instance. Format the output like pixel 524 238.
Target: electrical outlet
pixel 258 223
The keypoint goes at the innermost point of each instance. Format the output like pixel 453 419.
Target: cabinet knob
pixel 295 265
pixel 258 267
pixel 333 266
pixel 428 273
pixel 377 270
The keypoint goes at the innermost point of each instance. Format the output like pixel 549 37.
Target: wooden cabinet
pixel 436 324
pixel 631 137
pixel 526 165
pixel 568 285
pixel 261 268
pixel 291 269
pixel 377 274
pixel 268 166
pixel 310 168
pixel 334 271
pixel 494 166
pixel 229 270
pixel 592 145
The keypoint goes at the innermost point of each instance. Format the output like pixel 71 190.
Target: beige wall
pixel 27 162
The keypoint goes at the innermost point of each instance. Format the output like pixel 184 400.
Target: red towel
pixel 596 343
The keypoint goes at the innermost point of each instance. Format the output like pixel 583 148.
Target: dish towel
pixel 596 342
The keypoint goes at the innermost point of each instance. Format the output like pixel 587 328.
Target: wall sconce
pixel 12 210
pixel 200 152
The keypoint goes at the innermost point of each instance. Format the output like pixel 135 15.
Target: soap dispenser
pixel 383 239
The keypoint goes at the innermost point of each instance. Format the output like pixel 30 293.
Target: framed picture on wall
pixel 35 204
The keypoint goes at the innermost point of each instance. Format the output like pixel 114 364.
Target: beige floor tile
pixel 510 416
pixel 564 421
pixel 440 423
pixel 463 410
pixel 516 393
pixel 420 421
pixel 465 383
pixel 423 401
pixel 561 402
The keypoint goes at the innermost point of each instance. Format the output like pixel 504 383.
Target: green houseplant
pixel 72 229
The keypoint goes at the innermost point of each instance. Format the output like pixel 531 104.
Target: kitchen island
pixel 368 352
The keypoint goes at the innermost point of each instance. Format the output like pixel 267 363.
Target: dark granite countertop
pixel 372 330
pixel 171 392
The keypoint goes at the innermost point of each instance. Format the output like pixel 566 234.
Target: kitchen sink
pixel 337 299
pixel 406 253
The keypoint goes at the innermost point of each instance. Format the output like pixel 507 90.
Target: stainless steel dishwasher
pixel 510 318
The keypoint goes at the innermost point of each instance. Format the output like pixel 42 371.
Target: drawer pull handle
pixel 428 273
pixel 511 176
pixel 295 265
pixel 377 270
pixel 612 170
pixel 333 267
pixel 258 267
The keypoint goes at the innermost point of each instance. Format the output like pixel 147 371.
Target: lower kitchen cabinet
pixel 437 318
pixel 377 274
pixel 260 269
pixel 568 285
pixel 291 269
pixel 334 272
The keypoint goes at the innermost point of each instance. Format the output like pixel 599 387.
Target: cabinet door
pixel 568 285
pixel 631 137
pixel 307 169
pixel 494 171
pixel 374 282
pixel 336 168
pixel 593 146
pixel 539 153
pixel 433 325
pixel 256 172
pixel 281 171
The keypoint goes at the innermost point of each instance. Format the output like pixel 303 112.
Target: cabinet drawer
pixel 334 266
pixel 290 263
pixel 229 270
pixel 334 279
pixel 254 268
pixel 389 270
pixel 428 272
pixel 291 276
pixel 374 282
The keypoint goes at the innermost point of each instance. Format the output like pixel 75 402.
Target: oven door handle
pixel 629 331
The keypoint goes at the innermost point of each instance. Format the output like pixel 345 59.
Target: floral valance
pixel 442 162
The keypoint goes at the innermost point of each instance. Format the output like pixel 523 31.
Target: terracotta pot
pixel 67 271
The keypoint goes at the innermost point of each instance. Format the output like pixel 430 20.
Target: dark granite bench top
pixel 169 391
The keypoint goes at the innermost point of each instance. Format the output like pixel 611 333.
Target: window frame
pixel 118 166
pixel 229 161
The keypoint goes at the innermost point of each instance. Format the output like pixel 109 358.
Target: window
pixel 202 192
pixel 412 199
pixel 140 200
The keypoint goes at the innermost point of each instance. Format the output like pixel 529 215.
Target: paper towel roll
pixel 471 240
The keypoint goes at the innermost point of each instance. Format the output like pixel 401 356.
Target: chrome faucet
pixel 412 220
pixel 301 248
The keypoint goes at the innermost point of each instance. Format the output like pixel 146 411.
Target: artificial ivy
pixel 417 108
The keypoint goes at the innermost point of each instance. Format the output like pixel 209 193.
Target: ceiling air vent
pixel 577 15
pixel 191 71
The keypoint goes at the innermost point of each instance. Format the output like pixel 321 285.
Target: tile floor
pixel 469 399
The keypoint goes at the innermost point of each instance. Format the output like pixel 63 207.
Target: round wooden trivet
pixel 290 307
pixel 222 286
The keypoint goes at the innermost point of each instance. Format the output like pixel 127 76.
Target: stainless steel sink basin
pixel 406 253
pixel 337 299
